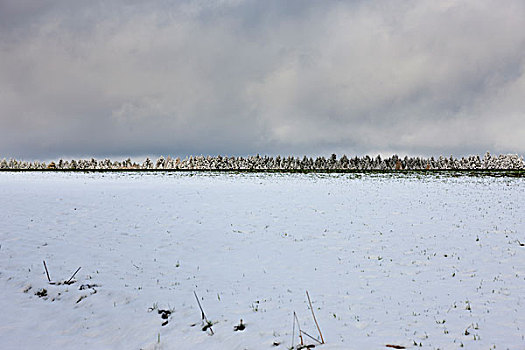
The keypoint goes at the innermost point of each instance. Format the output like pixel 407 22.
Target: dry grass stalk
pixel 315 320
pixel 298 327
pixel 203 315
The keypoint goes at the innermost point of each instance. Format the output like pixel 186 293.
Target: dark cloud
pixel 241 77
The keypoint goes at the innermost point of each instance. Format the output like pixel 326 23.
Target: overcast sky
pixel 238 77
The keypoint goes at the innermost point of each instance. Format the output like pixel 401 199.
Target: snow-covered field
pixel 430 260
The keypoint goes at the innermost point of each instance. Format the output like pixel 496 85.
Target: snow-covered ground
pixel 430 260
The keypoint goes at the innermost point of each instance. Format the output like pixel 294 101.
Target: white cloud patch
pixel 243 77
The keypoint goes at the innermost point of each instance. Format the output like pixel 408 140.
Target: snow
pixel 394 259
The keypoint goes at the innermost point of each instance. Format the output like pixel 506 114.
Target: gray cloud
pixel 242 77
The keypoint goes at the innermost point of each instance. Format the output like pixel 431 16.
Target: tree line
pixel 278 163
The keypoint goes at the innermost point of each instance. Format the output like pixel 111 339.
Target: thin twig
pixel 69 280
pixel 315 320
pixel 203 316
pixel 47 272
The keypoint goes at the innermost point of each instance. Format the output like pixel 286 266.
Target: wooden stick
pixel 315 320
pixel 69 280
pixel 202 313
pixel 47 272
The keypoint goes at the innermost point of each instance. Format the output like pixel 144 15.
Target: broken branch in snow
pixel 47 272
pixel 69 280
